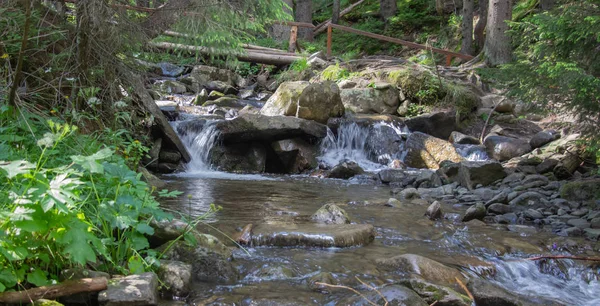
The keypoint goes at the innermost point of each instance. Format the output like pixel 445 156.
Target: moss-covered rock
pixel 581 190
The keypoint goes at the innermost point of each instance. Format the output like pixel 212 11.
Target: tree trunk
pixel 387 8
pixel 304 14
pixel 467 28
pixel 546 5
pixel 497 42
pixel 280 32
pixel 336 12
pixel 480 26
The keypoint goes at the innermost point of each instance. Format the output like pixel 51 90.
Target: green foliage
pixel 67 201
pixel 297 71
pixel 558 63
pixel 335 73
pixel 419 85
pixel 416 110
pixel 413 15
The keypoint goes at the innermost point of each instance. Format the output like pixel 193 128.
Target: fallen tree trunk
pixel 322 27
pixel 245 46
pixel 567 165
pixel 51 292
pixel 253 56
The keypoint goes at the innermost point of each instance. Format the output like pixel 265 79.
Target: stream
pixel 477 250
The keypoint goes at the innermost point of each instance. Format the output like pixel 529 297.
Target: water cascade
pixel 199 137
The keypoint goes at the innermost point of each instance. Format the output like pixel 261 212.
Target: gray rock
pixel 151 179
pixel 514 177
pixel 504 148
pixel 173 87
pixel 488 294
pixel 580 223
pixel 434 211
pixel 428 179
pixel 530 198
pixel 140 289
pixel 543 137
pixel 546 166
pixel 476 211
pixel 379 100
pixel 393 203
pixel 176 276
pixel 221 86
pixel 460 138
pixel 439 124
pixel 317 101
pixel 430 270
pixel 432 293
pixel 472 173
pixel 322 277
pixel 345 170
pixel 532 214
pixel 571 232
pixel 239 157
pixel 296 155
pixel 595 223
pixel 277 272
pixel 584 190
pixel 331 214
pixel 425 151
pixel 499 209
pixel 394 295
pixel 592 234
pixel 204 74
pixel 394 176
pixel 317 63
pixel 169 156
pixel 409 194
pixel 313 235
pixel 501 197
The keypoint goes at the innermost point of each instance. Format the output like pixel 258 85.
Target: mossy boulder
pixel 382 99
pixel 316 101
pixel 425 151
pixel 431 293
pixel 331 214
pixel 581 190
pixel 225 102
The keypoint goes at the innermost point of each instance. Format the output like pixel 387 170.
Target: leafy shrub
pixel 335 73
pixel 419 85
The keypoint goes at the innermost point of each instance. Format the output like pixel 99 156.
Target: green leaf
pixel 32 226
pixel 138 241
pixel 2 288
pixel 144 229
pixel 37 277
pixel 7 278
pixel 76 239
pixel 16 167
pixel 135 265
pixel 91 163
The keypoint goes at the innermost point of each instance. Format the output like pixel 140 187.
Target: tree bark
pixel 546 5
pixel 467 28
pixel 335 16
pixel 303 13
pixel 281 32
pixel 497 42
pixel 55 291
pixel 481 23
pixel 387 8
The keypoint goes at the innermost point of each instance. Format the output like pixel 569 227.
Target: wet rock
pixel 543 137
pixel 296 155
pixel 432 293
pixel 514 177
pixel 167 168
pixel 580 223
pixel 317 101
pixel 313 235
pixel 571 232
pixel 425 151
pixel 428 179
pixel 434 211
pixel 214 95
pixel 140 289
pixel 229 102
pixel 488 294
pixel 382 99
pixel 460 138
pixel 240 158
pixel 345 170
pixel 395 203
pixel 222 87
pixel 439 125
pixel 584 190
pixel 532 214
pixel 173 87
pixel 504 148
pixel 394 176
pixel 268 272
pixel 331 214
pixel 176 276
pixel 499 209
pixel 530 198
pixel 595 222
pixel 430 270
pixel 476 211
pixel 383 143
pixel 592 234
pixel 473 173
pixel 501 197
pixel 169 156
pixel 151 179
pixel 395 295
pixel 409 194
pixel 204 74
pixel 322 277
pixel 251 127
pixel 546 166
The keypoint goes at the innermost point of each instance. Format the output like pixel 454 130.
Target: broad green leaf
pixel 138 241
pixel 91 163
pixel 16 167
pixel 7 278
pixel 2 288
pixel 144 229
pixel 17 253
pixel 37 277
pixel 32 226
pixel 135 265
pixel 76 239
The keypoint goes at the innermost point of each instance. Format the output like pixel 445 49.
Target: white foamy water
pixel 525 278
pixel 472 152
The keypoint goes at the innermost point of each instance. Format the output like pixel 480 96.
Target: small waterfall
pixel 472 152
pixel 199 137
pixel 574 288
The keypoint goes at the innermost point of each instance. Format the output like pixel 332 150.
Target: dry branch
pixel 462 285
pixel 322 27
pixel 564 257
pixel 55 291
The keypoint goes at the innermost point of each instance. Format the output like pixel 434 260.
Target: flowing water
pixel 268 199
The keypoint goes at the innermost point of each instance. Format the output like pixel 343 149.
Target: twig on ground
pixel 347 288
pixel 374 289
pixel 462 285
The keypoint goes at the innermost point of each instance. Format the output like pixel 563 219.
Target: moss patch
pixel 581 190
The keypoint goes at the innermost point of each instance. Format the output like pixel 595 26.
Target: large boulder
pixel 296 155
pixel 380 99
pixel 584 190
pixel 504 148
pixel 428 269
pixel 425 151
pixel 345 170
pixel 489 294
pixel 313 235
pixel 439 125
pixel 239 157
pixel 204 74
pixel 331 214
pixel 543 137
pixel 473 173
pixel 317 101
pixel 136 290
pixel 252 127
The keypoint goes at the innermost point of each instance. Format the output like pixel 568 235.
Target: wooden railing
pixel 449 54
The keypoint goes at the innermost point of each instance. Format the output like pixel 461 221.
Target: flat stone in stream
pixel 313 235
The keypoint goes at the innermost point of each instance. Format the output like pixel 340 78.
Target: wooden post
pixel 329 34
pixel 293 39
pixel 448 60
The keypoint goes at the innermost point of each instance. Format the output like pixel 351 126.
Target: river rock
pixel 322 277
pixel 241 157
pixel 296 155
pixel 504 148
pixel 269 272
pixel 528 199
pixel 229 102
pixel 151 179
pixel 382 99
pixel 592 234
pixel 313 235
pixel 331 214
pixel 434 211
pixel 543 137
pixel 409 194
pixel 222 87
pixel 139 289
pixel 425 151
pixel 499 209
pixel 432 293
pixel 584 190
pixel 476 211
pixel 383 143
pixel 169 156
pixel 488 294
pixel 430 270
pixel 473 173
pixel 546 166
pixel 345 170
pixel 391 295
pixel 176 276
pixel 460 138
pixel 250 127
pixel 173 87
pixel 204 74
pixel 316 101
pixel 532 214
pixel 440 124
pixel 395 176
